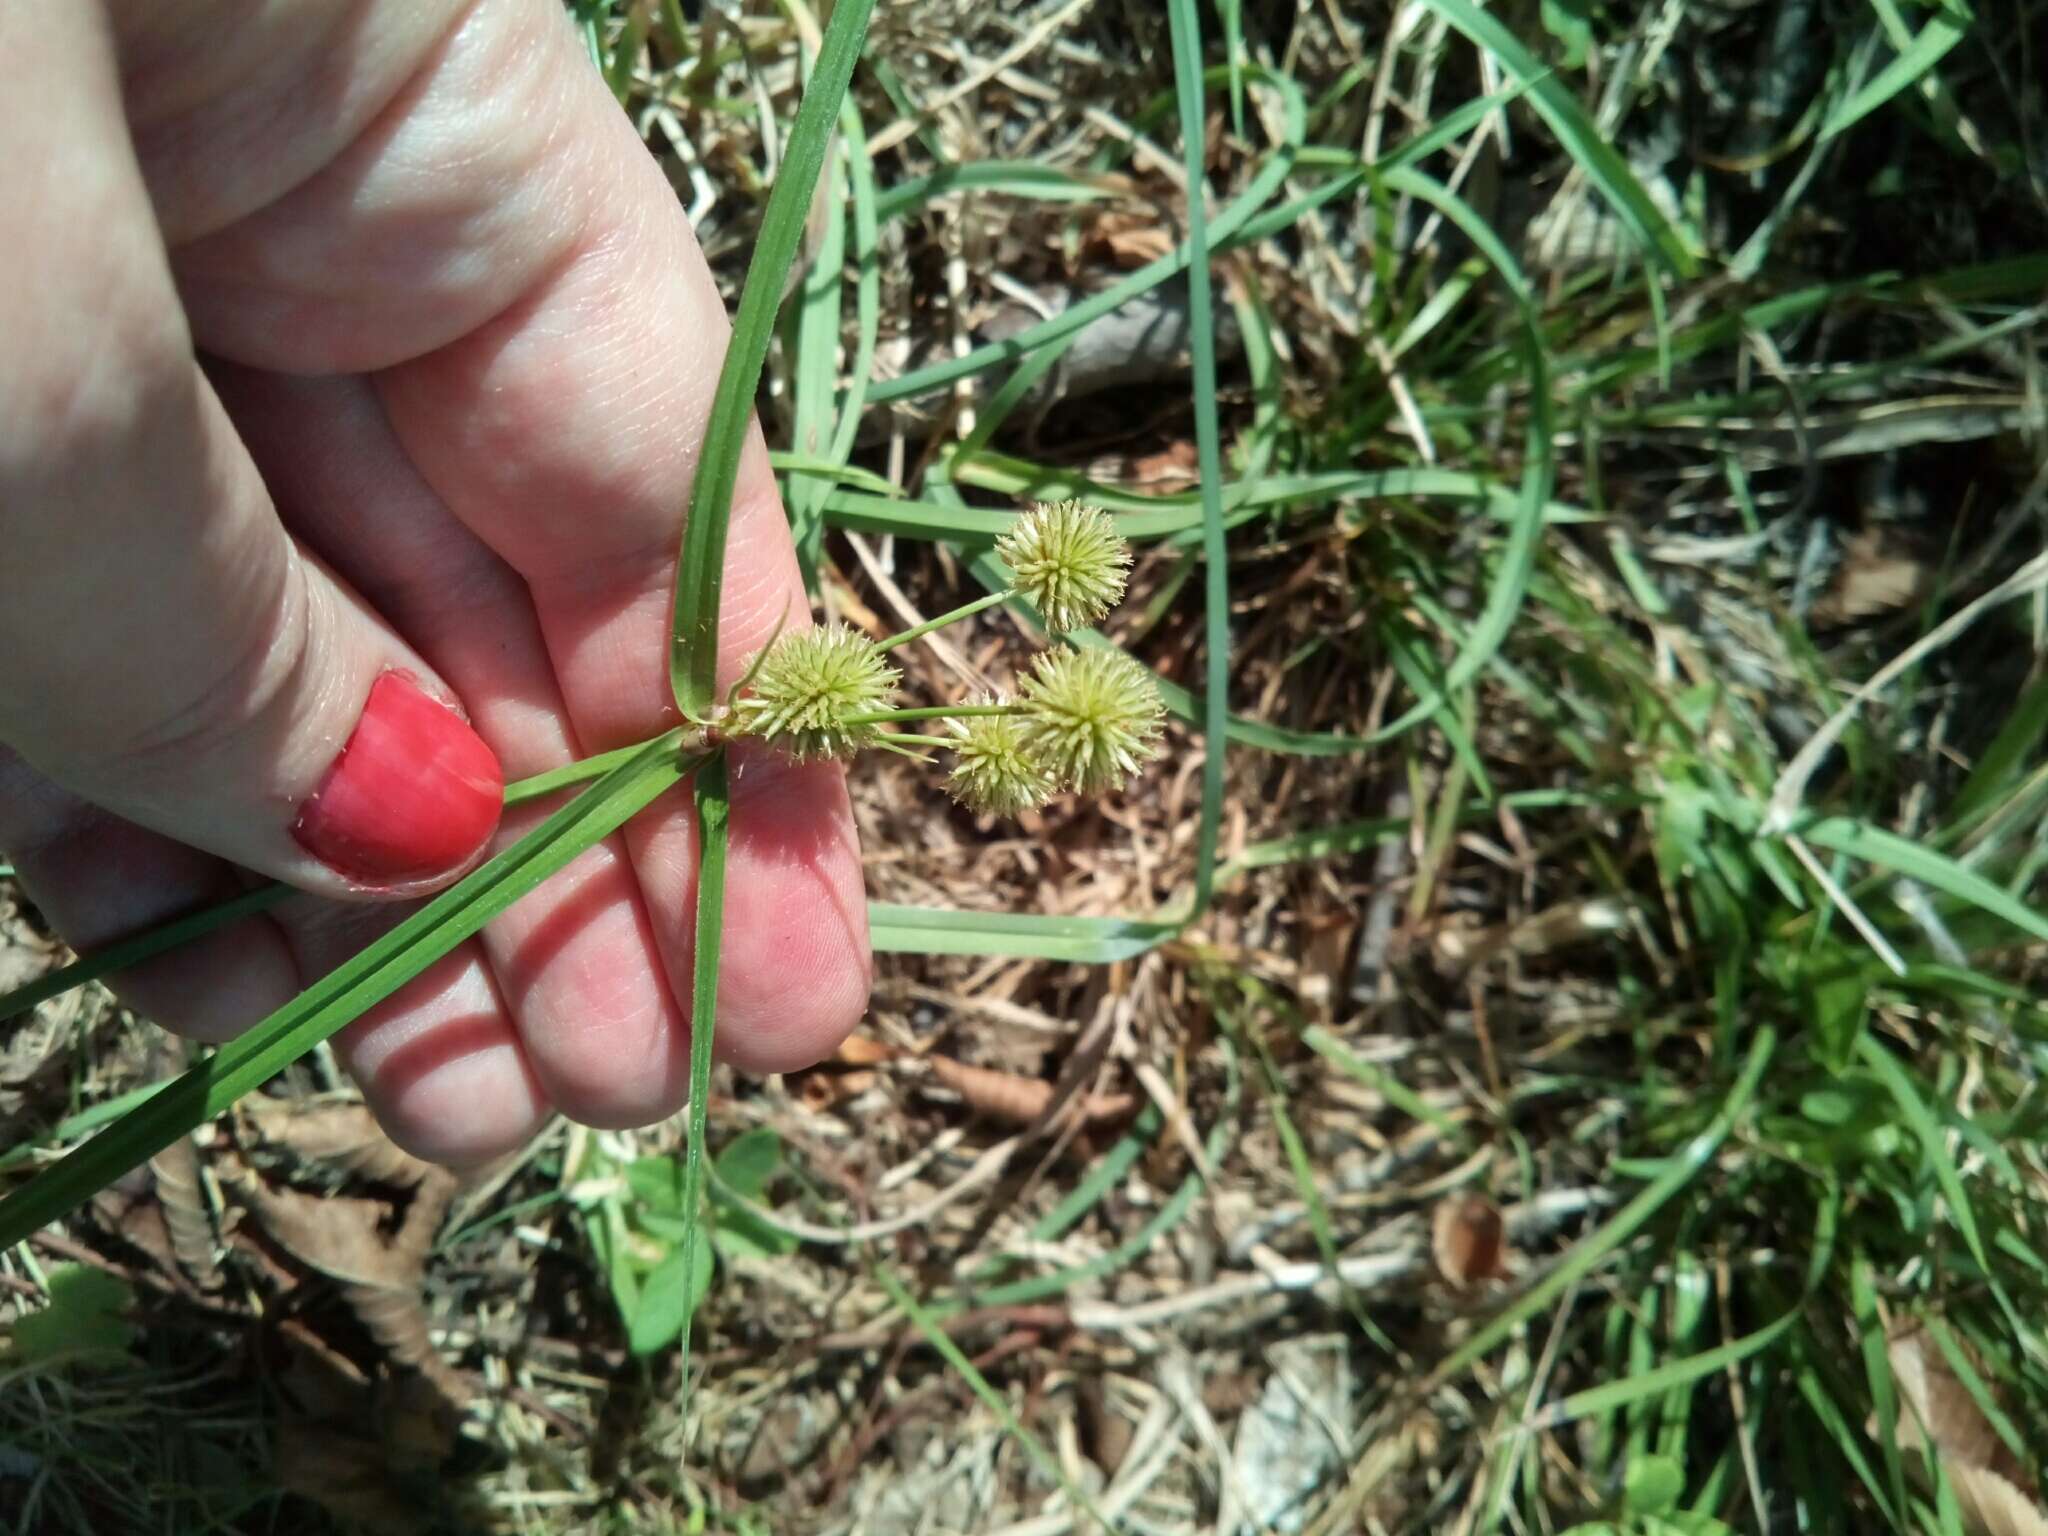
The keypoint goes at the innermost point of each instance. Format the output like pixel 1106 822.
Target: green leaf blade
pixel 700 573
pixel 341 996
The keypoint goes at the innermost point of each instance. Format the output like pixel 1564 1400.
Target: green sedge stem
pixel 936 712
pixel 963 611
pixel 898 738
pixel 193 925
pixel 570 773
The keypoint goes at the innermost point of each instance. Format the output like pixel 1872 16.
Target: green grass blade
pixel 942 1342
pixel 1942 32
pixel 1083 940
pixel 2001 763
pixel 1965 1371
pixel 1186 27
pixel 1873 845
pixel 1015 178
pixel 693 655
pixel 132 951
pixel 1525 530
pixel 1680 1170
pixel 1215 1148
pixel 1176 518
pixel 193 925
pixel 839 474
pixel 813 344
pixel 1932 1135
pixel 1575 131
pixel 1232 13
pixel 1385 1084
pixel 1344 838
pixel 72 1127
pixel 340 996
pixel 1264 183
pixel 1102 1176
pixel 1455 124
pixel 867 293
pixel 1677 1373
pixel 713 836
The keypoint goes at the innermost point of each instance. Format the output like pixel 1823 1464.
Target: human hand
pixel 460 347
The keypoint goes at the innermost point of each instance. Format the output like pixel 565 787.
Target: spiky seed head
pixel 998 768
pixel 1094 716
pixel 1069 560
pixel 807 688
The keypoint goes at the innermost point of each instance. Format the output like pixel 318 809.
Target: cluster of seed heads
pixel 1083 719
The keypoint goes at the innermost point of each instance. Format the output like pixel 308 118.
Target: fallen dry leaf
pixel 1992 1489
pixel 1469 1239
pixel 345 1136
pixel 820 1091
pixel 1129 240
pixel 186 1218
pixel 1875 578
pixel 858 1050
pixel 1020 1100
pixel 1172 468
pixel 345 1475
pixel 352 1238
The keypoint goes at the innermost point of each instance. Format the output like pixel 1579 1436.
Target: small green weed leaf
pixel 670 1296
pixel 740 1234
pixel 1571 23
pixel 1839 1001
pixel 1653 1485
pixel 658 1183
pixel 1851 1120
pixel 1832 984
pixel 748 1162
pixel 1682 831
pixel 1831 1107
pixel 1684 1522
pixel 83 1317
pixel 670 1229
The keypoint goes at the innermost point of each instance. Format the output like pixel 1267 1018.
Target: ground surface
pixel 1536 1131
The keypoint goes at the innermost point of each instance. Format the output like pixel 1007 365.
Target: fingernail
pixel 414 793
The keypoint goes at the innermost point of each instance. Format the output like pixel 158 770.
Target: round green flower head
pixel 1069 560
pixel 807 688
pixel 998 769
pixel 1094 716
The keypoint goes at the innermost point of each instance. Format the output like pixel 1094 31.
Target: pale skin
pixel 345 335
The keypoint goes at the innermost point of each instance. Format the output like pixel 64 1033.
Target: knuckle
pixel 89 377
pixel 254 690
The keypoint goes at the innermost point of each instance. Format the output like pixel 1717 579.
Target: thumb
pixel 170 653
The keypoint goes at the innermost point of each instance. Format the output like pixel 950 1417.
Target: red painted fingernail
pixel 414 793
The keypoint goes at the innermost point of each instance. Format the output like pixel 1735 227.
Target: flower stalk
pixel 964 611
